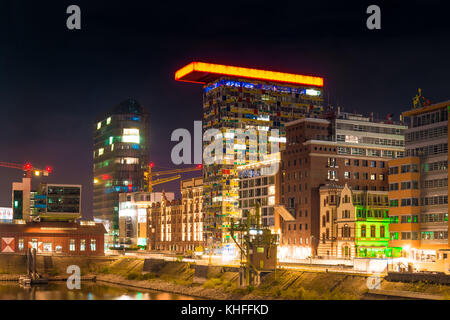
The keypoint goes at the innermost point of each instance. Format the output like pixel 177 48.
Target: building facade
pixel 193 218
pixel 84 238
pixel 133 211
pixel 331 151
pixel 258 183
pixel 121 159
pixel 165 225
pixel 178 225
pixel 56 202
pixel 419 186
pixel 354 223
pixel 235 100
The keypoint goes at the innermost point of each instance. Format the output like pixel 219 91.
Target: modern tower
pixel 237 98
pixel 121 159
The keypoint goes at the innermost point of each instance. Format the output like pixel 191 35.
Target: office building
pixel 49 202
pixel 56 202
pixel 341 149
pixel 237 99
pixel 418 186
pixel 258 184
pixel 121 159
pixel 133 210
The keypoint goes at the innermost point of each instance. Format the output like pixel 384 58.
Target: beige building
pixel 353 223
pixel 133 211
pixel 164 225
pixel 192 228
pixel 178 225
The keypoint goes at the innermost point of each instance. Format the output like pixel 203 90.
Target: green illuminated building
pixel 354 223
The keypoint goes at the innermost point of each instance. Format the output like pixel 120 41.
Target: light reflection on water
pixel 88 291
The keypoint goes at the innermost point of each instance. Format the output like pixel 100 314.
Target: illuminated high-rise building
pixel 235 99
pixel 121 158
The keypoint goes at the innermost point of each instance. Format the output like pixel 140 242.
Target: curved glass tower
pixel 120 160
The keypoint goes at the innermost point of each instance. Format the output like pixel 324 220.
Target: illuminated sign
pixel 201 72
pixel 312 92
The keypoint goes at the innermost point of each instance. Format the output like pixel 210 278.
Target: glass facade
pixel 120 159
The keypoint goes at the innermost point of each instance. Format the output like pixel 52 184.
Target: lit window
pixel 93 245
pixel 20 244
pixel 108 121
pixel 373 177
pixel 130 132
pixel 127 160
pixel 101 151
pixel 99 125
pixel 271 201
pixel 83 245
pixel 131 136
pixel 272 190
pixel 72 245
pixel 112 147
pixel 111 140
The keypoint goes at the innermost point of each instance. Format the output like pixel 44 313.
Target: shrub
pixel 212 283
pixel 147 276
pixel 133 276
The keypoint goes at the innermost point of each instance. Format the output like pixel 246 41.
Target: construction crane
pixel 151 175
pixel 28 168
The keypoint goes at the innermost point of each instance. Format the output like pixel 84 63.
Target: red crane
pixel 28 168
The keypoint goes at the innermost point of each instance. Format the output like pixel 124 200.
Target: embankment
pixel 219 282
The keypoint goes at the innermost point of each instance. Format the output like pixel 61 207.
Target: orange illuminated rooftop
pixel 201 72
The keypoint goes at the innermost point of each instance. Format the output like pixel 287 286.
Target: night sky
pixel 53 81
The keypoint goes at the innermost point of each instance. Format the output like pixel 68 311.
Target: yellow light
pixel 96 181
pixel 37 173
pixel 246 73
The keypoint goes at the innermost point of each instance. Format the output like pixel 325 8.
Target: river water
pixel 88 291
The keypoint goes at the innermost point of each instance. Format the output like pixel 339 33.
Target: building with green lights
pixel 121 160
pixel 354 223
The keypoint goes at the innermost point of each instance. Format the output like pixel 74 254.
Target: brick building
pixel 165 225
pixel 343 149
pixel 66 238
pixel 178 225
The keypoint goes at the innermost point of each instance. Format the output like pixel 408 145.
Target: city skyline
pixel 69 78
